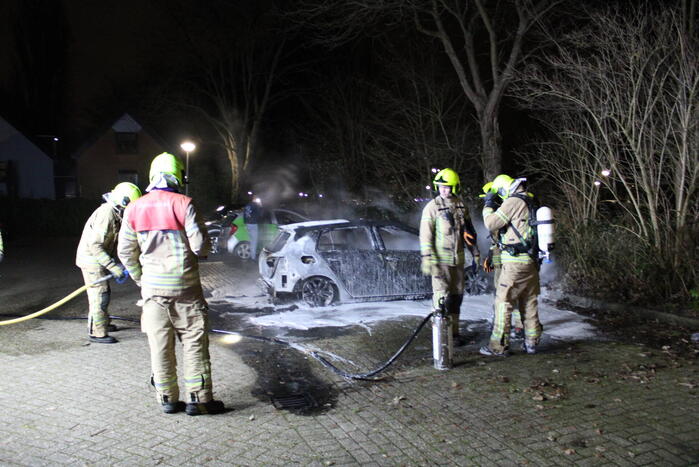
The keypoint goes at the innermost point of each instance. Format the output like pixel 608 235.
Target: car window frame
pixel 369 228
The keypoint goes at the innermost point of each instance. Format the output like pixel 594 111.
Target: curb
pixel 669 318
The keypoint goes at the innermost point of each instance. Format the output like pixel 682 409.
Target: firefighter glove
pixel 117 271
pixel 491 200
pixel 488 262
pixel 426 266
pixel 123 278
pixel 470 239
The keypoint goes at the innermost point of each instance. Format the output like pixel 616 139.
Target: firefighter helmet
pixel 447 177
pixel 167 164
pixel 123 194
pixel 501 185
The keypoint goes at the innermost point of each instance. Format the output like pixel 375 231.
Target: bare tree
pixel 388 128
pixel 420 124
pixel 234 54
pixel 623 93
pixel 483 41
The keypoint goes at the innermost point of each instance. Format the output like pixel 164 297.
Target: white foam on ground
pixel 558 323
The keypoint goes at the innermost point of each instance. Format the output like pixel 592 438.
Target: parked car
pixel 218 226
pixel 323 262
pixel 238 238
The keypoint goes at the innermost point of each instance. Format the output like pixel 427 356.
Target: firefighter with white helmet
pixel 518 283
pixel 96 257
pixel 445 229
pixel 160 242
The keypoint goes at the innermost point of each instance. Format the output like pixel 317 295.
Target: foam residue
pixel 558 323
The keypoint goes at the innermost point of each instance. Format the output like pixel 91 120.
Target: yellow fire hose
pixel 66 299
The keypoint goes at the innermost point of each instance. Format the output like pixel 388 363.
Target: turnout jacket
pixel 513 211
pixel 98 243
pixel 442 231
pixel 160 241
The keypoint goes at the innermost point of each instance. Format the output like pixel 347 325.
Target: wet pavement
pixel 583 400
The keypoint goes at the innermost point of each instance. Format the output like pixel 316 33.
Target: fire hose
pixel 314 354
pixel 65 299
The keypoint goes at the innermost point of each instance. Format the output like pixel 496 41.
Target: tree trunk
pixel 491 151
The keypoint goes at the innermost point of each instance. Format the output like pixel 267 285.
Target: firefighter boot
pixel 194 407
pixel 487 351
pixel 172 407
pixel 103 340
pixel 529 347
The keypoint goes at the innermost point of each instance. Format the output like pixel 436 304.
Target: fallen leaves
pixel 396 400
pixel 546 390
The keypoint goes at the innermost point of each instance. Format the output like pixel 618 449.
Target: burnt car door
pixel 354 260
pixel 400 250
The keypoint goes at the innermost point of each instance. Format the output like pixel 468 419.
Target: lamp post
pixel 187 147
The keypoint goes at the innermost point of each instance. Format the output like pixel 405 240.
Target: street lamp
pixel 187 147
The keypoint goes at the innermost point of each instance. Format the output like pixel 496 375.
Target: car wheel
pixel 477 284
pixel 318 291
pixel 242 250
pixel 214 236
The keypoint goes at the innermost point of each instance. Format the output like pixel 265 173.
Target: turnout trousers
pixel 448 283
pixel 518 284
pixel 517 318
pixel 184 318
pixel 98 302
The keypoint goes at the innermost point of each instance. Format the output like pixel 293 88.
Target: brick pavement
pixel 584 403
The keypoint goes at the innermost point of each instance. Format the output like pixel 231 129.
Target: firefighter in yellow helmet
pixel 493 263
pixel 96 257
pixel 518 282
pixel 445 229
pixel 160 242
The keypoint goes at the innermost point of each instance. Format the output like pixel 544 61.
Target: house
pixel 25 170
pixel 121 153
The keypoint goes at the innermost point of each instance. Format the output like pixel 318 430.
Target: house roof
pixel 123 124
pixel 10 136
pixel 126 124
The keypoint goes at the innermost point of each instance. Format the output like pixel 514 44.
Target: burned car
pixel 323 262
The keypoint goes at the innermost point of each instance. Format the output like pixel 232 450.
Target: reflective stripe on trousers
pixel 98 297
pixel 518 284
pixel 186 318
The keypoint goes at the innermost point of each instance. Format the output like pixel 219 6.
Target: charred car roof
pixel 303 228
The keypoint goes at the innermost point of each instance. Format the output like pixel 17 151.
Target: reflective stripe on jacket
pixel 513 210
pixel 159 242
pixel 441 231
pixel 97 247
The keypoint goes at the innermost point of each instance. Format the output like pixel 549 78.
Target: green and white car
pixel 238 242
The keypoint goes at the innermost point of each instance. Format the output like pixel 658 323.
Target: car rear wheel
pixel 214 236
pixel 242 250
pixel 318 291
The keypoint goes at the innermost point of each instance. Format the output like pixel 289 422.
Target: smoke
pixel 276 185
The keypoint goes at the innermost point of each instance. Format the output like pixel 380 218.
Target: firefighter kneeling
pixel 518 282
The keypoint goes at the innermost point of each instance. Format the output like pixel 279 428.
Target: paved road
pixel 64 401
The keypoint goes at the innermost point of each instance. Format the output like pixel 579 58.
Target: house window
pixel 128 176
pixel 126 143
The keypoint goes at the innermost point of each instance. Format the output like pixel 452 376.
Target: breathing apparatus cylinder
pixel 545 231
pixel 442 340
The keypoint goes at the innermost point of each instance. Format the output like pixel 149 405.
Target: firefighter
pixel 492 263
pixel 96 257
pixel 160 242
pixel 445 228
pixel 518 282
